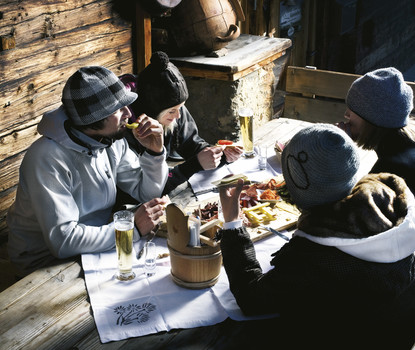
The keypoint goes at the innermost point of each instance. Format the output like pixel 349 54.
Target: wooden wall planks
pixel 52 39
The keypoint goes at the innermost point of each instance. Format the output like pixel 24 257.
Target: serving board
pixel 286 217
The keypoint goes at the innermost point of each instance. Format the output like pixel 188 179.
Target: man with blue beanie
pixel 345 279
pixel 378 111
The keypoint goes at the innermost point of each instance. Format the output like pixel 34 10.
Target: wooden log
pixel 6 200
pixel 42 84
pixel 9 169
pixel 78 34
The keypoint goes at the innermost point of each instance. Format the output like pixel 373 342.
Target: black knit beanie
pixel 160 86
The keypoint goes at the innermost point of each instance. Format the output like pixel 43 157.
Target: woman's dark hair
pixel 371 135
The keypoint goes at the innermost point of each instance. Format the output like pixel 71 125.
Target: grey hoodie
pixel 66 193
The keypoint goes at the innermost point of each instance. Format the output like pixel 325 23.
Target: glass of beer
pixel 246 122
pixel 124 229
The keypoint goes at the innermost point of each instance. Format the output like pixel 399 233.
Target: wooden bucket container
pixel 191 267
pixel 203 26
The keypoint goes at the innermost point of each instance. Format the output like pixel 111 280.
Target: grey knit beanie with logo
pixel 159 86
pixel 93 93
pixel 382 98
pixel 320 165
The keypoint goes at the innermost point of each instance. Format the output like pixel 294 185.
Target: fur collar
pixel 376 222
pixel 377 203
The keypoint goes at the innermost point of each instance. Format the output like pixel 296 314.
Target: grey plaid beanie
pixel 93 93
pixel 320 165
pixel 160 86
pixel 382 98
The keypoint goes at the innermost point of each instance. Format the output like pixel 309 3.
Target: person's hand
pixel 229 199
pixel 148 214
pixel 149 133
pixel 209 157
pixel 233 153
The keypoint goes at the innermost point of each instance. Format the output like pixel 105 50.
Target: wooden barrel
pixel 191 267
pixel 202 26
pixel 195 271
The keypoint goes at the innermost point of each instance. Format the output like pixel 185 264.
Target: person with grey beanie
pixel 345 279
pixel 162 93
pixel 378 111
pixel 68 177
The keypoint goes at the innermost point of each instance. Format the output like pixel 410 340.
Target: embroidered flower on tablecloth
pixel 134 313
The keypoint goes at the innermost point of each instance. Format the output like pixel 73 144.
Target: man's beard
pixel 120 134
pixel 109 139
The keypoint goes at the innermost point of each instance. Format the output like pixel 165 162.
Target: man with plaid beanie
pixel 68 177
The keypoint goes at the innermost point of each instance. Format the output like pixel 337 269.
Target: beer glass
pixel 124 230
pixel 246 122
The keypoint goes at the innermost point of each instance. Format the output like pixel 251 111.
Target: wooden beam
pixel 274 19
pixel 143 38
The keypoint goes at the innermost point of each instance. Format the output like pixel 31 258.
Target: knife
pixel 278 233
pixel 216 188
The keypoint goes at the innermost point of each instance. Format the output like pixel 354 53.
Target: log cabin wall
pixel 42 44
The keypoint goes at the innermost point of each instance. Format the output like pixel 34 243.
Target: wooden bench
pixel 317 95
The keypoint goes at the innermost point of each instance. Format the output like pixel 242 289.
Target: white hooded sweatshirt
pixel 66 193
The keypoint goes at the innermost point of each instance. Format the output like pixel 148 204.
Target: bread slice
pixel 231 180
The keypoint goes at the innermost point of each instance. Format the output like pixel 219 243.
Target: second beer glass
pixel 246 122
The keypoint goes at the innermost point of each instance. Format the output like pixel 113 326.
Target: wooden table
pixel 50 309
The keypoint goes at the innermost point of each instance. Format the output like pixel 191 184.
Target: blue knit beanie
pixel 382 98
pixel 320 165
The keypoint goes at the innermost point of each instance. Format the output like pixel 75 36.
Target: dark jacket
pixel 343 273
pixel 182 143
pixel 396 155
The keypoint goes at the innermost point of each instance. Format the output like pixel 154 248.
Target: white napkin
pixel 154 304
pixel 202 180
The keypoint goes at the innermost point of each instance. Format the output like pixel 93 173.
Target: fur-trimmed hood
pixel 376 222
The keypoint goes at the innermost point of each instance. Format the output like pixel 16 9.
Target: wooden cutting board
pixel 286 217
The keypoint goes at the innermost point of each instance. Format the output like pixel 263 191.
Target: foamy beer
pixel 124 230
pixel 246 122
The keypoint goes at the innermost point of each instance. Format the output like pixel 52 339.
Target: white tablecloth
pixel 148 305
